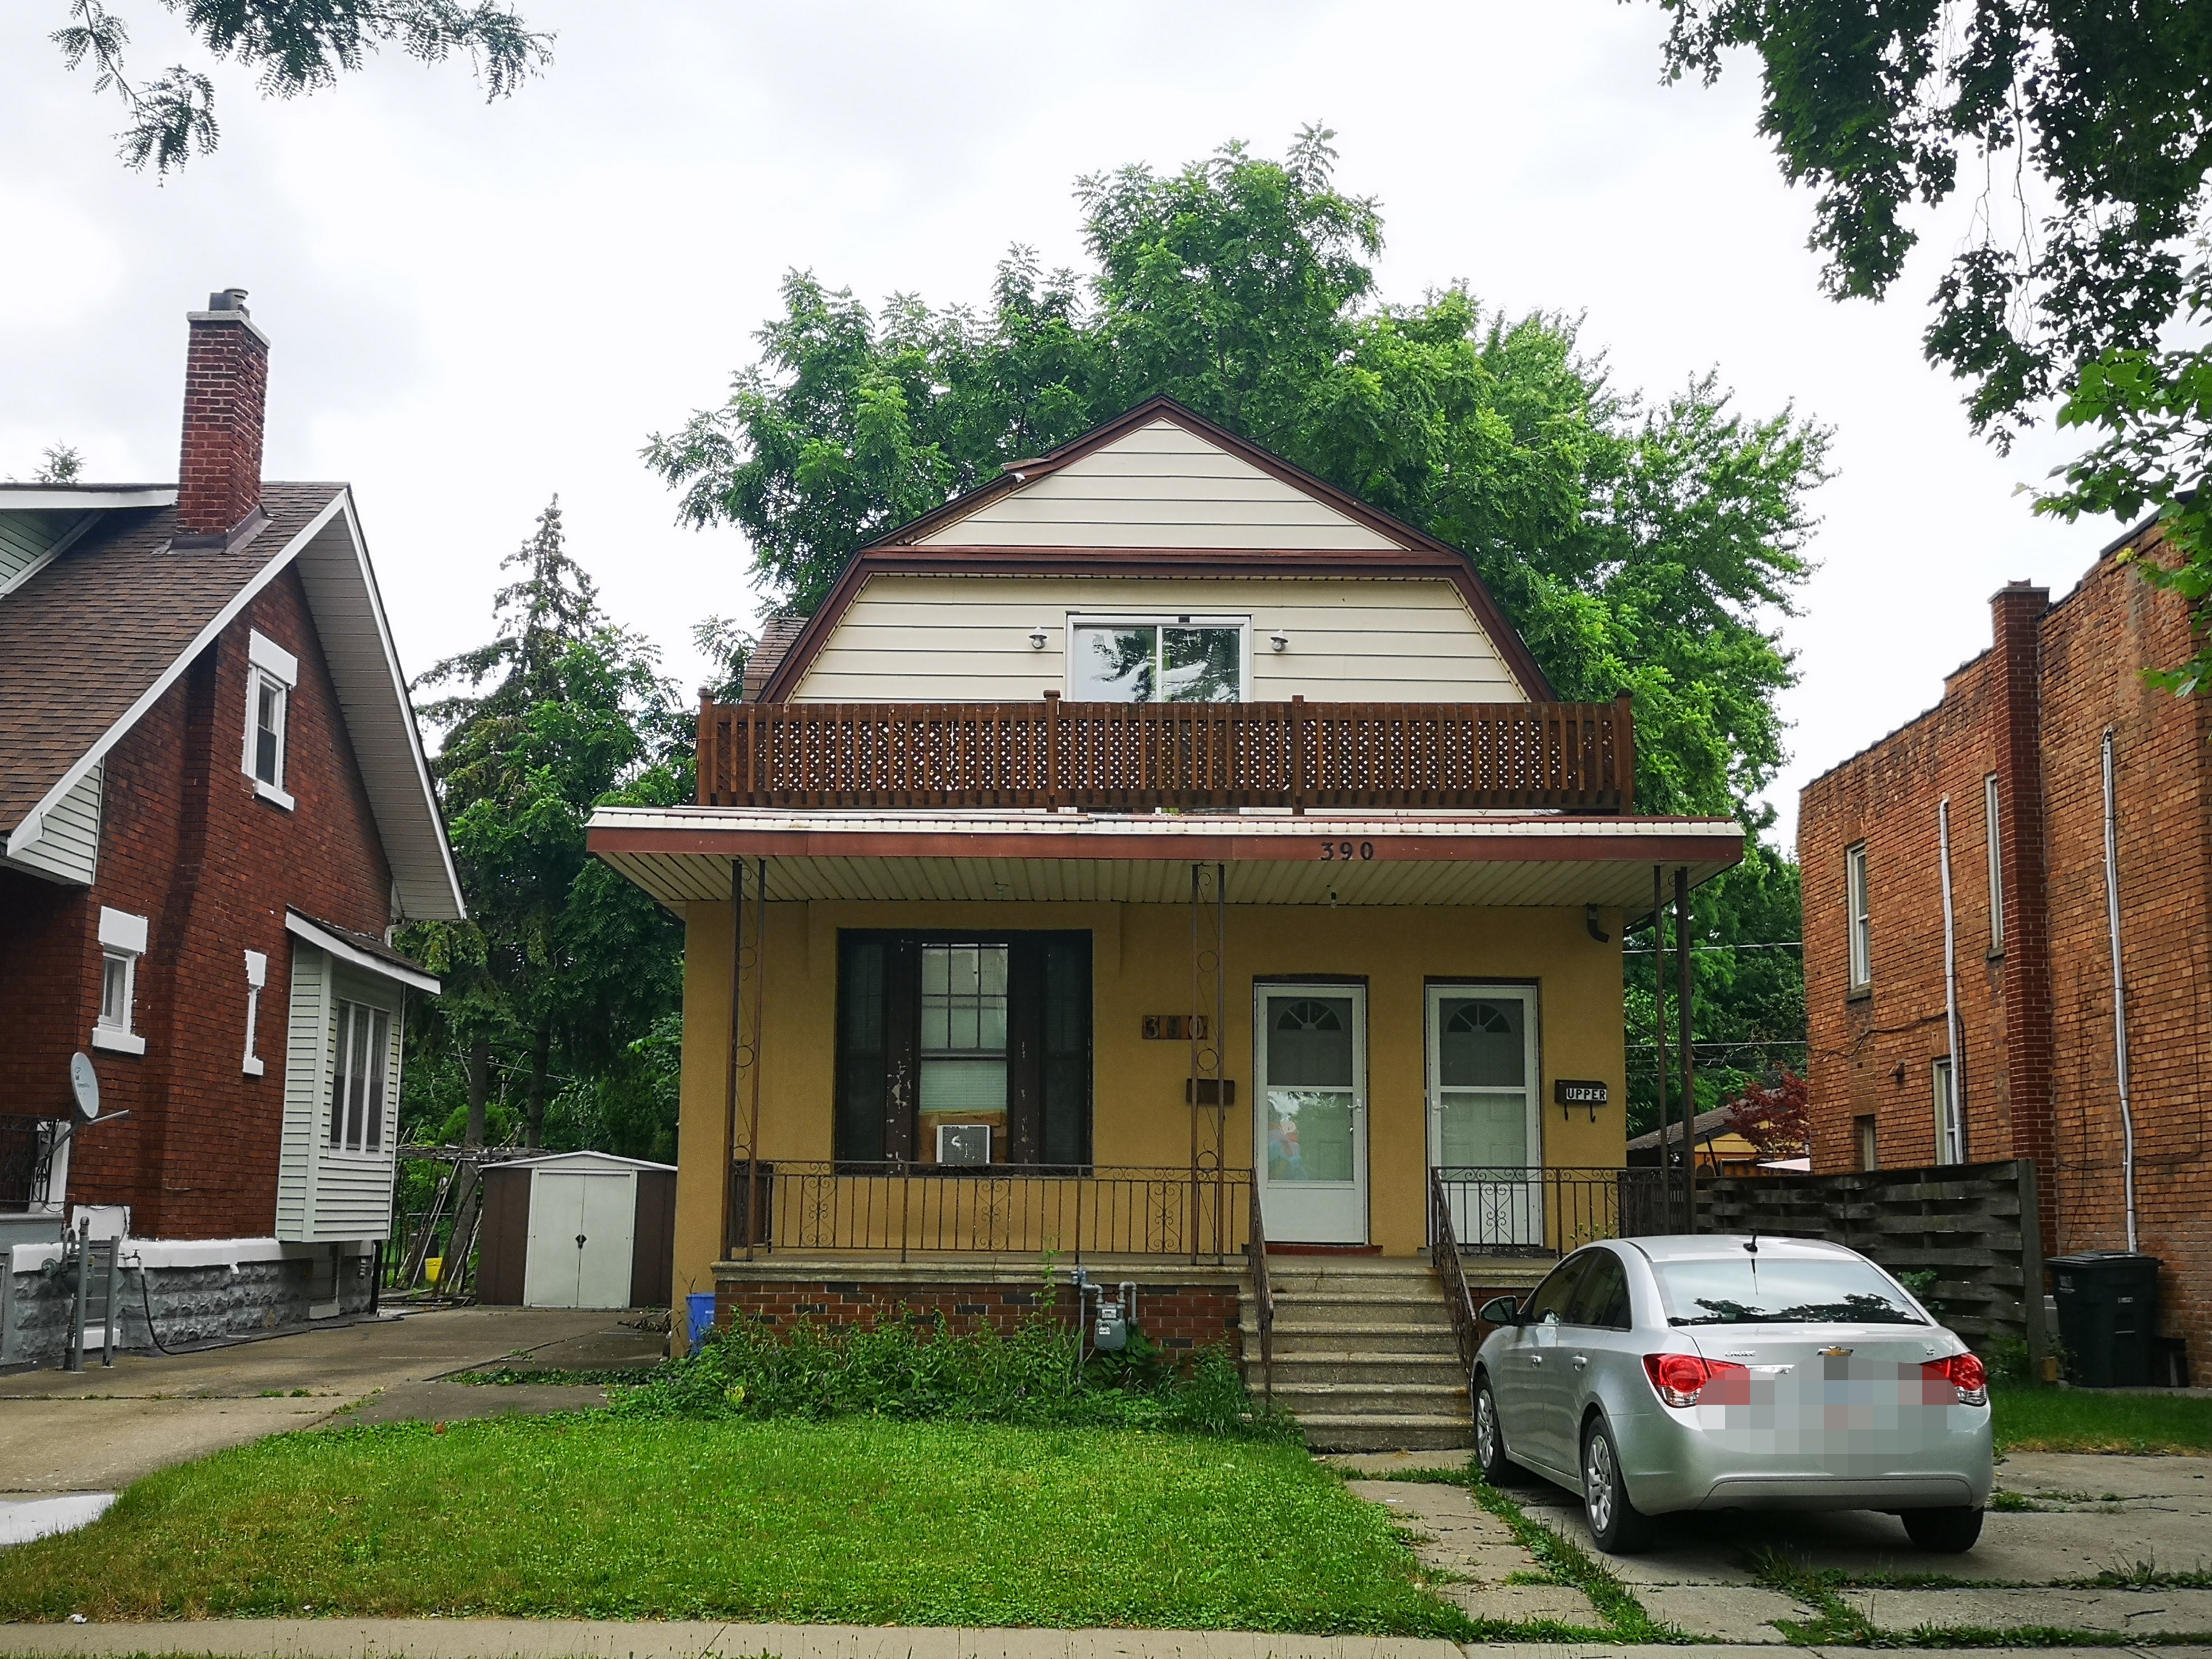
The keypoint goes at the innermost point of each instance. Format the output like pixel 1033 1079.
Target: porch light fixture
pixel 1037 637
pixel 1279 641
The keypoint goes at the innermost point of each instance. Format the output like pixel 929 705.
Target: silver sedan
pixel 1659 1374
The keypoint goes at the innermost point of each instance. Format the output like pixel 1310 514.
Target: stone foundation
pixel 264 1287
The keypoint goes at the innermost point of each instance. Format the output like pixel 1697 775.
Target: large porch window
pixel 963 1034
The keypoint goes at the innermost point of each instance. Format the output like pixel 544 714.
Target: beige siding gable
pixel 966 639
pixel 1161 485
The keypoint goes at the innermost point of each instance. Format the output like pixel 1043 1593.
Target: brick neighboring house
pixel 2017 744
pixel 213 808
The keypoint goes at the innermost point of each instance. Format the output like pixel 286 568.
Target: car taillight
pixel 1963 1371
pixel 1680 1379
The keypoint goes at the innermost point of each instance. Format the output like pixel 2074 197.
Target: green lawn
pixel 2099 1421
pixel 858 1520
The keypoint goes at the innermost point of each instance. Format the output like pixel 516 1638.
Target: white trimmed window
pixel 122 942
pixel 271 673
pixel 361 1077
pixel 1159 658
pixel 1950 1126
pixel 1997 863
pixel 1858 917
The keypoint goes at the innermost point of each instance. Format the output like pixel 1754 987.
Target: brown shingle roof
pixel 776 637
pixel 83 640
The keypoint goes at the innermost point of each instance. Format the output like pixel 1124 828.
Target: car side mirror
pixel 1499 1310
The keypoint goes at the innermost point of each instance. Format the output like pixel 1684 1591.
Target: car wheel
pixel 1489 1437
pixel 1617 1525
pixel 1943 1532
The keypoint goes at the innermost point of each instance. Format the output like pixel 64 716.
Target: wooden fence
pixel 1574 756
pixel 1974 1225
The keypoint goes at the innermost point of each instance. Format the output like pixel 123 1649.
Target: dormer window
pixel 1157 658
pixel 271 673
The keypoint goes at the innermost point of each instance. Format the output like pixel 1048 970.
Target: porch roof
pixel 683 855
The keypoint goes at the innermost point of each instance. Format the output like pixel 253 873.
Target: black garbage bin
pixel 2107 1317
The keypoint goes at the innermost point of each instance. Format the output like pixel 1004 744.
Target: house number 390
pixel 1347 849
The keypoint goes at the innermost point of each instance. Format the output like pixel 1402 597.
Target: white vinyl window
pixel 1950 1127
pixel 122 942
pixel 1858 917
pixel 1159 658
pixel 271 673
pixel 964 1028
pixel 1996 862
pixel 360 1081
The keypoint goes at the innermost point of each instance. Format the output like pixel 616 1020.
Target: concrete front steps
pixel 1365 1355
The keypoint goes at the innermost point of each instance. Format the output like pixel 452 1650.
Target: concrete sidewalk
pixel 556 1638
pixel 101 1428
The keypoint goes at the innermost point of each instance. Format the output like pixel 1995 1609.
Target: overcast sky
pixel 476 307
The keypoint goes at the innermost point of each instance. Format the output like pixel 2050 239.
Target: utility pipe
pixel 1689 1053
pixel 1659 1027
pixel 1954 1128
pixel 2120 990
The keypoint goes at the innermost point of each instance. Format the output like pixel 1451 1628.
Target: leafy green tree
pixel 295 46
pixel 563 966
pixel 1638 546
pixel 2092 126
pixel 59 463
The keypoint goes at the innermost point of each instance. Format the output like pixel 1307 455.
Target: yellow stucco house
pixel 1150 853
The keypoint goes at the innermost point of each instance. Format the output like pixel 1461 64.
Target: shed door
pixel 579 1239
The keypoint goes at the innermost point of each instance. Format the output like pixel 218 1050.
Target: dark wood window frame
pixel 876 1111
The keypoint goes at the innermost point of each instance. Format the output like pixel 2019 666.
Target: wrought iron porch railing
pixel 25 1158
pixel 1576 757
pixel 1545 1211
pixel 1006 1209
pixel 1263 1295
pixel 1444 1251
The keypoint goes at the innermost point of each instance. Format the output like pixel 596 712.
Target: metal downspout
pixel 2119 989
pixel 1957 1104
pixel 1659 1030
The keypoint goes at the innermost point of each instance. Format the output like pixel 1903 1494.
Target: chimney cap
pixel 229 299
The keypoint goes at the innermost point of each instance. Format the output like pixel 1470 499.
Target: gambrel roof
pixel 1158 490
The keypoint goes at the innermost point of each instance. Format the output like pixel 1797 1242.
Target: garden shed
pixel 577 1230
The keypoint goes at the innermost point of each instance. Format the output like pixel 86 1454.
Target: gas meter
pixel 1111 1334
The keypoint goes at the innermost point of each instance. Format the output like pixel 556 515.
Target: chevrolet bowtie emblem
pixel 1835 1353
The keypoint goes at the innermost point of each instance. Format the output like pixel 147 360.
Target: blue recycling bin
pixel 699 1316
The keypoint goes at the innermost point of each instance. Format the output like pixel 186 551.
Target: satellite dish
pixel 84 1082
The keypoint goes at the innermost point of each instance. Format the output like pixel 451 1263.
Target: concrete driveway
pixel 101 1430
pixel 2141 1525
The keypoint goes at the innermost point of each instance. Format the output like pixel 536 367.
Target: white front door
pixel 1310 1043
pixel 1484 1131
pixel 580 1226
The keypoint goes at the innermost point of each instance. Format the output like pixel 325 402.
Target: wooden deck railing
pixel 1575 756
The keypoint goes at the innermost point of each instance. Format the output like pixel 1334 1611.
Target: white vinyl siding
pixel 1160 486
pixel 68 847
pixel 966 639
pixel 26 539
pixel 326 1192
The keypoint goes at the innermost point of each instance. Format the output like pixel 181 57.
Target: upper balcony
pixel 1119 756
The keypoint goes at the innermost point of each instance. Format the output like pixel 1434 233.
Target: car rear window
pixel 1779 1290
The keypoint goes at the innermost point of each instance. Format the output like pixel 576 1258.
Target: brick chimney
pixel 226 385
pixel 2017 611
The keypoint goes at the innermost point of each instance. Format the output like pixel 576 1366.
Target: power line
pixel 1777 945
